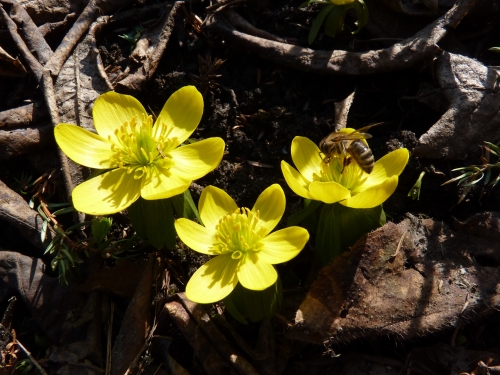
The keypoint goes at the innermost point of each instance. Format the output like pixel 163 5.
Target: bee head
pixel 323 146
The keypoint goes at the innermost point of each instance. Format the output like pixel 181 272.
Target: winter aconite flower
pixel 352 187
pixel 242 241
pixel 139 158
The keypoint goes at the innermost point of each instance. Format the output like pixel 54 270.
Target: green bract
pixel 242 241
pixel 140 159
pixel 352 187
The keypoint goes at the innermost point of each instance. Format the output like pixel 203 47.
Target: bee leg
pixel 346 162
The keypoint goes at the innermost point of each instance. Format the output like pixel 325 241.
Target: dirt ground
pixel 258 103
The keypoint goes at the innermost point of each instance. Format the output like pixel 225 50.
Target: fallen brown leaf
pixel 473 116
pixel 438 279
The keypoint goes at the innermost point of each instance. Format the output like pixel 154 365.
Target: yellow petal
pixel 214 280
pixel 107 193
pixel 162 183
pixel 196 236
pixel 180 115
pixel 389 165
pixel 295 180
pixel 373 196
pixel 197 159
pixel 328 192
pixel 283 245
pixel 214 204
pixel 306 157
pixel 255 274
pixel 111 110
pixel 84 147
pixel 271 206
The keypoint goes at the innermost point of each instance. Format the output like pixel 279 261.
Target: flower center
pixel 239 233
pixel 136 149
pixel 350 177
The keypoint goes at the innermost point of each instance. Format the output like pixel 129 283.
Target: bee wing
pixel 352 137
pixel 365 128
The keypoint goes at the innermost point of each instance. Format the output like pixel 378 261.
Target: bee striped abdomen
pixel 362 155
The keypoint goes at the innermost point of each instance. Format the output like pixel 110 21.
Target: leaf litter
pixel 409 281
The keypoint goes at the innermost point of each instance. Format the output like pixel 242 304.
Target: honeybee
pixel 350 147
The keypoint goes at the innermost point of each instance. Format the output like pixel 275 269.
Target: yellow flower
pixel 241 240
pixel 353 188
pixel 140 159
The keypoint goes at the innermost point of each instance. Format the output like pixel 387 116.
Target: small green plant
pixel 475 173
pixel 68 249
pixel 415 190
pixel 333 15
pixel 133 36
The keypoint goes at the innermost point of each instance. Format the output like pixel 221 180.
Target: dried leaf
pixel 78 84
pixel 473 115
pixel 40 293
pixel 9 66
pixel 149 50
pixel 432 283
pixel 135 325
pixel 15 210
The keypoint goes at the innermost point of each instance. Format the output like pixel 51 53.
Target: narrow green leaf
pixel 43 232
pixel 493 146
pixel 66 252
pixel 51 245
pixel 318 22
pixel 487 177
pixel 54 263
pixel 57 205
pixel 188 199
pixel 184 206
pixel 362 13
pixel 63 211
pixel 335 21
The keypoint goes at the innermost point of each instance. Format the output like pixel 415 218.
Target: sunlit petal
pixel 111 110
pixel 196 160
pixel 373 196
pixel 295 180
pixel 389 165
pixel 181 114
pixel 84 147
pixel 214 280
pixel 107 193
pixel 255 274
pixel 271 205
pixel 196 236
pixel 328 192
pixel 214 204
pixel 306 157
pixel 162 183
pixel 283 245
